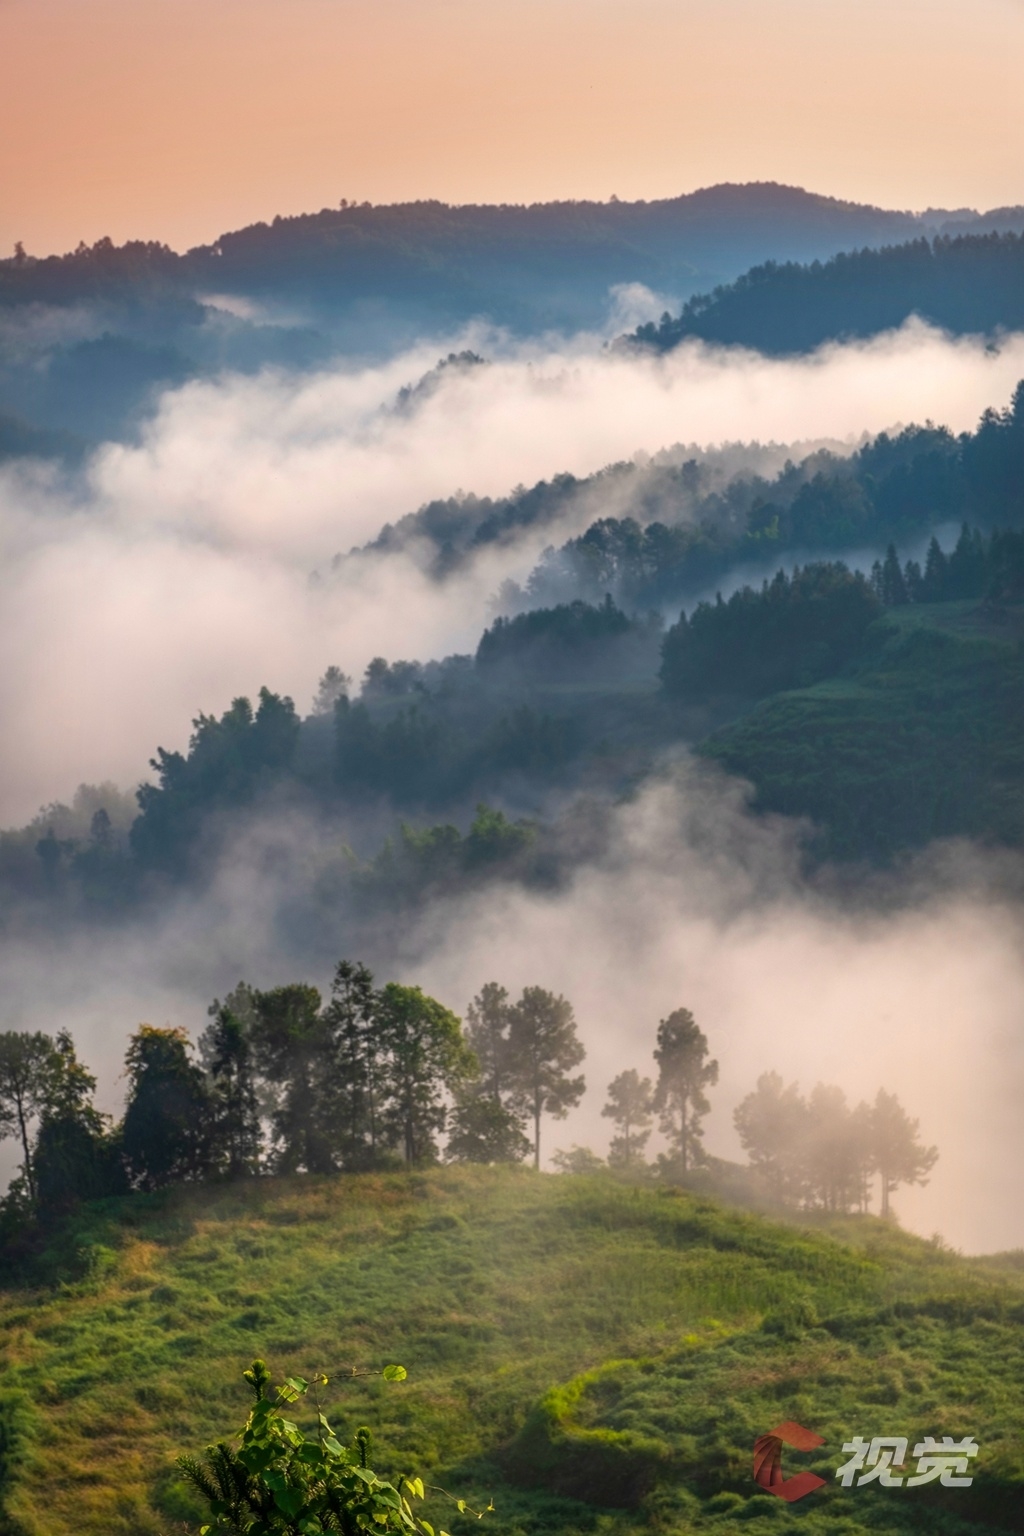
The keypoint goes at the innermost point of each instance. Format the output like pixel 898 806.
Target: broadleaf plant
pixel 280 1483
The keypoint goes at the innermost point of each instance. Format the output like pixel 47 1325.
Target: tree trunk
pixel 23 1127
pixel 885 1194
pixel 683 1137
pixel 536 1133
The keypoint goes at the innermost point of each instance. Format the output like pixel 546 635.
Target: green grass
pixel 925 739
pixel 506 1294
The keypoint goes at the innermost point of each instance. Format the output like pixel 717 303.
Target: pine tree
pixel 629 1106
pixel 894 588
pixel 423 1056
pixel 291 1042
pixel 543 1048
pixel 895 1151
pixel 166 1133
pixel 352 1070
pixel 683 1073
pixel 936 574
pixel 226 1050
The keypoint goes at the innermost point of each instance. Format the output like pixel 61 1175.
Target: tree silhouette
pixel 291 1039
pixel 629 1106
pixel 226 1049
pixel 165 1132
pixel 542 1050
pixel 772 1125
pixel 895 1150
pixel 423 1056
pixel 683 1073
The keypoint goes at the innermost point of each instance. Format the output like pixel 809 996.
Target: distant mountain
pixel 526 266
pixel 134 319
pixel 967 284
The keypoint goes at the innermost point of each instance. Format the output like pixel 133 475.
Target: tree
pixel 76 1157
pixel 542 1050
pixel 683 1073
pixel 894 1149
pixel 292 1044
pixel 772 1126
pixel 226 1050
pixel 483 1130
pixel 331 687
pixel 835 1151
pixel 422 1056
pixel 28 1063
pixel 352 1069
pixel 166 1131
pixel 488 1020
pixel 629 1105
pixel 893 585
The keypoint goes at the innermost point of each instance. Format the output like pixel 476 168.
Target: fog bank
pixel 175 574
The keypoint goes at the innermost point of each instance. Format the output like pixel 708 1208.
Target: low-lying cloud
pixel 175 573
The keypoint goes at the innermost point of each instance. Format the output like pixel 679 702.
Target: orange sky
pixel 176 119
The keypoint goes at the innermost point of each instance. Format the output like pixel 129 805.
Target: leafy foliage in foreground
pixel 493 1286
pixel 280 1480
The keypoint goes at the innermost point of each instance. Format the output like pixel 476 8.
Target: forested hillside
pixel 671 526
pixel 964 283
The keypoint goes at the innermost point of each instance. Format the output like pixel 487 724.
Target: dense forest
pixel 676 524
pixel 967 284
pixel 891 714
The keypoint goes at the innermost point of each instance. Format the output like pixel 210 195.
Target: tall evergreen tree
pixel 543 1048
pixel 629 1105
pixel 485 1125
pixel 423 1058
pixel 936 568
pixel 894 1147
pixel 226 1049
pixel 683 1074
pixel 166 1133
pixel 292 1049
pixel 353 1066
pixel 894 587
pixel 488 1020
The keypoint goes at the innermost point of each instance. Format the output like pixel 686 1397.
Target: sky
pixel 178 119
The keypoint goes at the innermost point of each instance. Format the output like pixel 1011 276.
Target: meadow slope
pixel 597 1356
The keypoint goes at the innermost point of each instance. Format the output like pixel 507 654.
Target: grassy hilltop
pixel 597 1356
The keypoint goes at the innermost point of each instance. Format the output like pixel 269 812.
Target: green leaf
pixel 415 1487
pixel 426 1525
pixel 289 1501
pixel 460 1505
pixel 394 1373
